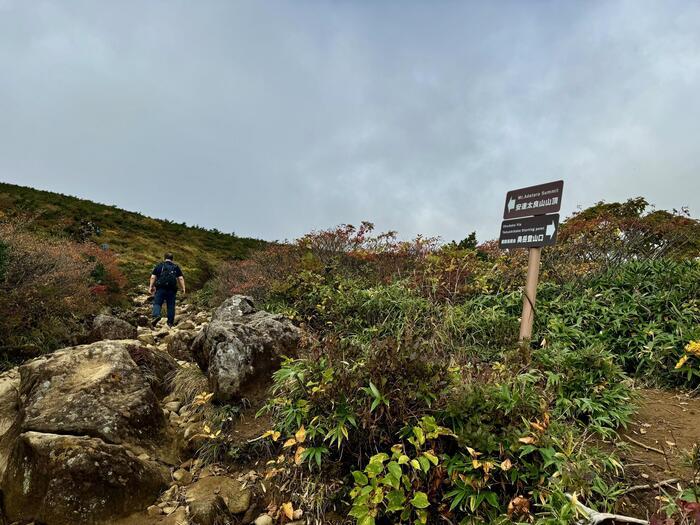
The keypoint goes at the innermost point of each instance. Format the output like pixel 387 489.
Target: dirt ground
pixel 655 447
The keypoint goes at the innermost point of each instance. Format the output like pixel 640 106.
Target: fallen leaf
pixel 289 443
pixel 274 434
pixel 528 440
pixel 297 455
pixel 288 510
pixel 506 464
pixel 537 426
pixel 300 435
pixel 473 453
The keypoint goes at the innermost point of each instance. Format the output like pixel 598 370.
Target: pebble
pixel 263 519
pixel 173 406
pixel 182 477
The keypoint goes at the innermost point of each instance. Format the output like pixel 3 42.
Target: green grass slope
pixel 139 241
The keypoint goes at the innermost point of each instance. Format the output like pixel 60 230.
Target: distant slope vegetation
pixel 138 241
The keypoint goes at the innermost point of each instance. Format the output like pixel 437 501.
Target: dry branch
pixel 643 445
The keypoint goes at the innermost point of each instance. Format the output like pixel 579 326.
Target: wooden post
pixel 533 273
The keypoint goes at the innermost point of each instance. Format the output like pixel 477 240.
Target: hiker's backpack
pixel 168 277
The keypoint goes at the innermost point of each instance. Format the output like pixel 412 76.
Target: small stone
pixel 144 457
pixel 182 477
pixel 173 406
pixel 263 519
pixel 154 510
pixel 169 494
pixel 147 339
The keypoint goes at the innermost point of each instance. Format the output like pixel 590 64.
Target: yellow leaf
pixel 288 510
pixel 300 435
pixel 506 464
pixel 207 429
pixel 275 435
pixel 289 443
pixel 473 453
pixel 487 465
pixel 537 426
pixel 681 361
pixel 297 455
pixel 476 463
pixel 528 440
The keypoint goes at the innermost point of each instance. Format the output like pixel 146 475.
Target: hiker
pixel 164 282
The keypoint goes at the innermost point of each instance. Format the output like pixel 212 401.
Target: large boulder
pixel 62 480
pixel 241 346
pixel 106 327
pixel 75 426
pixel 92 390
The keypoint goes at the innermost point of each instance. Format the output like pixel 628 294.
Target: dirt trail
pixel 659 440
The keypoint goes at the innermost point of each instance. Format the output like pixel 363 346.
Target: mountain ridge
pixel 137 240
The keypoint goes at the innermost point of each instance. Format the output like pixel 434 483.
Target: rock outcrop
pixel 92 390
pixel 241 346
pixel 112 328
pixel 76 431
pixel 66 480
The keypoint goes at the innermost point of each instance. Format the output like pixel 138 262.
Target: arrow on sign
pixel 550 230
pixel 511 204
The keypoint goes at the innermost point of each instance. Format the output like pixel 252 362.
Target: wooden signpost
pixel 531 222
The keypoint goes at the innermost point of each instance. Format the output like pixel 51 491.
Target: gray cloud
pixel 273 118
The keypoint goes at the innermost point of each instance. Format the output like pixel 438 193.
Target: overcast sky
pixel 274 118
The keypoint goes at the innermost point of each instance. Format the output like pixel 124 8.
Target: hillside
pixel 137 240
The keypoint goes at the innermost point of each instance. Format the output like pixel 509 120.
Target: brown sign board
pixel 534 200
pixel 529 232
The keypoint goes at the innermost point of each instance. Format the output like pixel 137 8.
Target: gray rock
pixel 240 346
pixel 233 308
pixel 65 480
pixel 106 327
pixel 92 390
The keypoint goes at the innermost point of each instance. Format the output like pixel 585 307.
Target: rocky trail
pixel 117 431
pixel 109 432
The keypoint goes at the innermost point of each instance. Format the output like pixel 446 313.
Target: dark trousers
pixel 168 297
